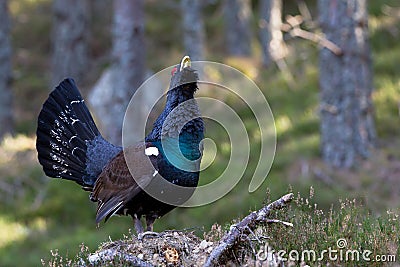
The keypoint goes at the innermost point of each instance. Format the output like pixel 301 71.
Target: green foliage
pixel 318 230
pixel 343 230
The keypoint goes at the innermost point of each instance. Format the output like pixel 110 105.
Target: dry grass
pixel 313 229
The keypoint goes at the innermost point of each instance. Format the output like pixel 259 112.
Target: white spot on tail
pixel 76 101
pixel 73 151
pixel 151 151
pixel 74 120
pixel 155 173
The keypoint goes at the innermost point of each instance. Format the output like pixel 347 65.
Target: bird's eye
pixel 173 71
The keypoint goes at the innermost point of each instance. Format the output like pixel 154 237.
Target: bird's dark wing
pixel 115 185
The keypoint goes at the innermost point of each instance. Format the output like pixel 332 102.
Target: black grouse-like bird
pixel 71 147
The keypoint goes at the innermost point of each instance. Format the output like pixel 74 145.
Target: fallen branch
pixel 244 227
pixel 334 48
pixel 110 255
pixel 292 26
pixel 279 221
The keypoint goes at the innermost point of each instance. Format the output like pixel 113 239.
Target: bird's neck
pixel 180 116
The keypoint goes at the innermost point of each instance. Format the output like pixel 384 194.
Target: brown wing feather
pixel 115 185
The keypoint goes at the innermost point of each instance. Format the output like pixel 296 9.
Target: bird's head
pixel 182 87
pixel 183 78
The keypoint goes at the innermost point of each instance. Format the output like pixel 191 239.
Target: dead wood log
pixel 112 254
pixel 244 227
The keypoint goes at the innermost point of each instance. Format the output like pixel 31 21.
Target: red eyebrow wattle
pixel 174 70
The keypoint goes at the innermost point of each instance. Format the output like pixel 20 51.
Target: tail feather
pixel 59 132
pixel 67 137
pixel 66 104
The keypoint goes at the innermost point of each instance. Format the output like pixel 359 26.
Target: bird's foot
pixel 141 236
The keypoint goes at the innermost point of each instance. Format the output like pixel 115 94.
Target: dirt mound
pixel 168 248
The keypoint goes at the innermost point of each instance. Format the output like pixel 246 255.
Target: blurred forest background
pixel 328 68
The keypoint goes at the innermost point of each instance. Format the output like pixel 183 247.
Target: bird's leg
pixel 149 228
pixel 138 225
pixel 149 223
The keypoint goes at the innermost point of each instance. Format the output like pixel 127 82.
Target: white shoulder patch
pixel 151 151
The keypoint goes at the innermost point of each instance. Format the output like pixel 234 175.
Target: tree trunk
pixel 193 28
pixel 237 15
pixel 347 125
pixel 70 39
pixel 6 111
pixel 127 71
pixel 271 36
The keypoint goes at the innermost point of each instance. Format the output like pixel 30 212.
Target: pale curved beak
pixel 185 63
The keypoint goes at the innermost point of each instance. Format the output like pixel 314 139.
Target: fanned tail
pixel 68 142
